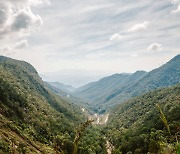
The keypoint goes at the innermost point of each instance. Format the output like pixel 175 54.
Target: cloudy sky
pixel 78 41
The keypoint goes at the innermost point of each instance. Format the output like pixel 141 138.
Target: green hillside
pixel 63 87
pixel 99 92
pixel 68 96
pixel 117 88
pixel 164 76
pixel 136 125
pixel 32 119
pixel 36 117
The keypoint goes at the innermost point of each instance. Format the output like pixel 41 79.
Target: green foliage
pixel 118 88
pixel 136 126
pixel 33 119
pixel 31 111
pixel 4 146
pixel 163 118
pixel 66 95
pixel 92 141
pixel 97 93
pixel 79 133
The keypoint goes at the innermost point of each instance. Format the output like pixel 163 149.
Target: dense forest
pixel 37 117
pixel 89 77
pixel 149 123
pixel 32 118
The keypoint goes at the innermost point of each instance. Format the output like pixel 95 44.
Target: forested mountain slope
pixel 98 92
pixel 136 125
pixel 68 96
pixel 38 118
pixel 63 87
pixel 115 89
pixel 33 119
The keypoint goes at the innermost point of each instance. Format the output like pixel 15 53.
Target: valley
pixel 112 90
pixel 101 119
pixel 89 77
pixel 42 117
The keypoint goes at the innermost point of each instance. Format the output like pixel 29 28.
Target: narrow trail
pixel 100 120
pixel 109 147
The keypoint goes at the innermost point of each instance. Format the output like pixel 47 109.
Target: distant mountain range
pixel 117 88
pixel 63 87
pixel 42 117
pixel 65 94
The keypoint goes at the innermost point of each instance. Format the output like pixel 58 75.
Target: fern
pixel 163 118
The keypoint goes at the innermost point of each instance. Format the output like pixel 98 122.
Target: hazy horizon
pixel 90 39
pixel 76 78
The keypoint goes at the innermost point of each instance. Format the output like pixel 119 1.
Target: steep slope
pixel 164 76
pixel 67 96
pixel 102 96
pixel 61 86
pixel 31 117
pixel 136 125
pixel 100 91
pixel 102 86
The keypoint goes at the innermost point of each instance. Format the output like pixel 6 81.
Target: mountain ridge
pixel 63 87
pixel 100 100
pixel 31 115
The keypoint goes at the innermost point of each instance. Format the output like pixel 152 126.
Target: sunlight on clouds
pixel 139 27
pixel 21 44
pixel 155 47
pixel 17 22
pixel 89 35
pixel 177 10
pixel 116 37
pixel 24 19
pixel 176 3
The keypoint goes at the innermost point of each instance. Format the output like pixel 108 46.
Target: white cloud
pixel 139 27
pixel 116 37
pixel 25 19
pixel 155 47
pixel 17 21
pixel 177 10
pixel 76 33
pixel 176 3
pixel 21 44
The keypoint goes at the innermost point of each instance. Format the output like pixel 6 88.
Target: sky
pixel 79 41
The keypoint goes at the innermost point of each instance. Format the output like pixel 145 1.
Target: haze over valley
pixel 89 77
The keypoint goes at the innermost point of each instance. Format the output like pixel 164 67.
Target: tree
pixel 78 135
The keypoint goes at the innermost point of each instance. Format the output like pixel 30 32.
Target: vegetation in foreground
pixel 32 118
pixel 35 120
pixel 149 123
